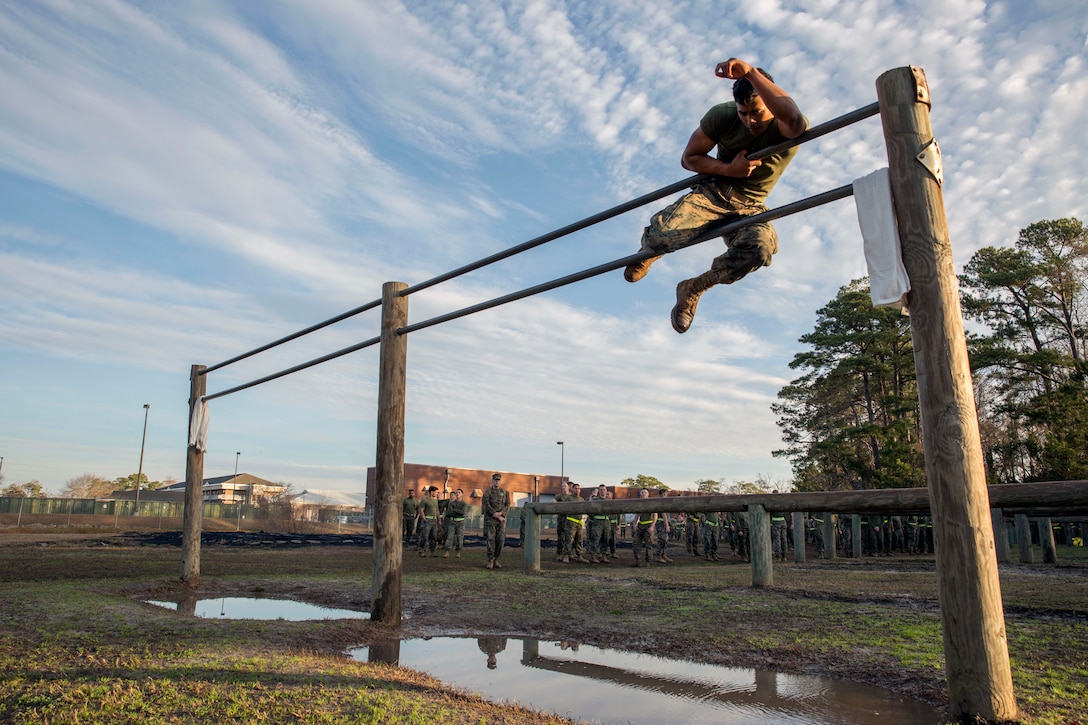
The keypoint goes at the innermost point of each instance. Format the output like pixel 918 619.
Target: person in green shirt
pixel 428 521
pixel 409 513
pixel 761 115
pixel 455 524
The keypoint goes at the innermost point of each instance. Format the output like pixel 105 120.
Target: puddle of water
pixel 610 686
pixel 259 608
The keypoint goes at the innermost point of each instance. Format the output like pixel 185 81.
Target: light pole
pixel 140 470
pixel 237 455
pixel 562 454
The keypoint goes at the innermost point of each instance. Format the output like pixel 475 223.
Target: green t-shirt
pixel 723 126
pixel 410 506
pixel 428 508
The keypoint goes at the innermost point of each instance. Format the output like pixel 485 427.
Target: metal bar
pixel 817 131
pixel 569 229
pixel 793 208
pixel 296 335
pixel 296 368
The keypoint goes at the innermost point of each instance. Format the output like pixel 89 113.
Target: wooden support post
pixel 798 537
pixel 1046 540
pixel 1001 536
pixel 759 529
pixel 855 536
pixel 193 517
pixel 532 539
pixel 975 644
pixel 829 535
pixel 386 600
pixel 1023 538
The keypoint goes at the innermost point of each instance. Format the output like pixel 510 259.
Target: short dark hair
pixel 744 91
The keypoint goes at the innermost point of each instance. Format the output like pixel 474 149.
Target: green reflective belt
pixel 778 518
pixel 645 523
pixel 709 524
pixel 600 518
pixel 575 521
pixel 460 519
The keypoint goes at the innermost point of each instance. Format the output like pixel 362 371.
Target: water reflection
pixel 257 608
pixel 612 686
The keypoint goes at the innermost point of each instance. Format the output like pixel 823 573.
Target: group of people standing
pixel 430 522
pixel 592 534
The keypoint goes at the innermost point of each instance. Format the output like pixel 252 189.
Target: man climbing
pixel 761 115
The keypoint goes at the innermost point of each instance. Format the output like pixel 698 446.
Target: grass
pixel 78 643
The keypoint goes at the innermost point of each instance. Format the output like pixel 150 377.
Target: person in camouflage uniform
pixel 739 528
pixel 711 525
pixel 613 528
pixel 643 534
pixel 575 531
pixel 779 545
pixel 455 524
pixel 496 503
pixel 692 533
pixel 427 521
pixel 596 529
pixel 409 512
pixel 761 115
pixel 662 530
pixel 561 523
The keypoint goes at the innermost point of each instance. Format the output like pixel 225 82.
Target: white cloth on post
pixel 888 281
pixel 198 426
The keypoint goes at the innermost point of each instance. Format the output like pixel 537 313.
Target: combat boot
pixel 490 564
pixel 446 555
pixel 687 299
pixel 497 564
pixel 637 270
pixel 564 559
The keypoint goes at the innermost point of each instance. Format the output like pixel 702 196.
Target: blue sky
pixel 182 182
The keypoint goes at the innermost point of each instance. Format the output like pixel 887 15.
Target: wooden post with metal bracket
pixel 973 623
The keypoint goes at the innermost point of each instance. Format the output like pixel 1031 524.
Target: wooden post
pixel 193 516
pixel 975 644
pixel 1001 536
pixel 759 529
pixel 855 536
pixel 1023 537
pixel 1046 540
pixel 798 537
pixel 386 601
pixel 829 535
pixel 532 539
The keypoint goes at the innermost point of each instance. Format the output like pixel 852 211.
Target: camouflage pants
pixel 495 532
pixel 409 528
pixel 747 248
pixel 692 535
pixel 710 539
pixel 661 539
pixel 455 535
pixel 574 544
pixel 425 535
pixel 561 526
pixel 597 544
pixel 643 536
pixel 778 538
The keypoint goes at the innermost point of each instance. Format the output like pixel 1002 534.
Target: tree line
pixel 86 485
pixel 851 420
